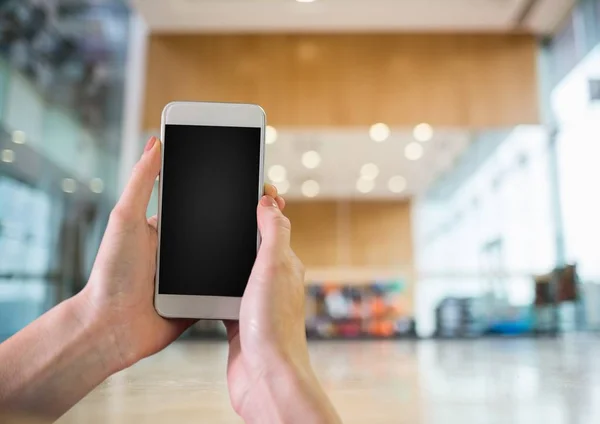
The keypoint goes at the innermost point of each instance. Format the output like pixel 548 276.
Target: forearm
pixel 55 361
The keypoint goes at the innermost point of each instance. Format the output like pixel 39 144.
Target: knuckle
pixel 283 221
pixel 301 268
pixel 121 215
pixel 138 167
pixel 296 260
pixel 278 266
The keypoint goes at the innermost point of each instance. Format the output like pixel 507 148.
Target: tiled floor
pixel 484 381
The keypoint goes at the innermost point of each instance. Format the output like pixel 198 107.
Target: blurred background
pixel 439 158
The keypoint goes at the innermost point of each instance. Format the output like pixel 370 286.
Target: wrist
pixel 292 394
pixel 97 332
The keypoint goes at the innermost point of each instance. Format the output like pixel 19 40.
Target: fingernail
pixel 268 201
pixel 150 144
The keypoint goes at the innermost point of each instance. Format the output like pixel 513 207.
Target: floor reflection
pixel 553 381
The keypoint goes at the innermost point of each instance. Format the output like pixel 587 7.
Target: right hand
pixel 268 354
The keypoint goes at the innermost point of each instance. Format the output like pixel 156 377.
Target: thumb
pixel 274 227
pixel 138 191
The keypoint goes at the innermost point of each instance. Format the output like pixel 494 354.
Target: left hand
pixel 120 291
pixel 121 287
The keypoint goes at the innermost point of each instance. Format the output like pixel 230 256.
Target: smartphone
pixel 209 187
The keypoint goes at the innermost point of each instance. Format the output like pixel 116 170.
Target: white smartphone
pixel 210 184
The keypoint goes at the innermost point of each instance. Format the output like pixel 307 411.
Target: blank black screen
pixel 208 218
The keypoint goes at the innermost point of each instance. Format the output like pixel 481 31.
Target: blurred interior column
pixel 134 96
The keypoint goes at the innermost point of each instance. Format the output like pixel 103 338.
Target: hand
pixel 121 286
pixel 120 291
pixel 109 325
pixel 59 358
pixel 269 374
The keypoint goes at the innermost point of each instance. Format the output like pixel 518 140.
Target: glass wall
pixel 497 236
pixel 578 146
pixel 61 84
pixel 574 103
pixel 484 230
pixel 578 152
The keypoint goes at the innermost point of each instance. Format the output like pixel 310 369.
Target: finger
pixel 270 190
pixel 178 325
pixel 153 222
pixel 233 329
pixel 274 227
pixel 280 202
pixel 137 193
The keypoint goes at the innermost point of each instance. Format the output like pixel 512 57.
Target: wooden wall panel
pixel 358 236
pixel 380 235
pixel 314 232
pixel 350 80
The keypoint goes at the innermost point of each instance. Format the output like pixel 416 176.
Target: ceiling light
pixel 365 186
pixel 270 135
pixel 379 132
pixel 69 185
pixel 369 171
pixel 423 132
pixel 306 1
pixel 397 184
pixel 413 151
pixel 277 173
pixel 283 187
pixel 97 185
pixel 310 188
pixel 19 137
pixel 311 159
pixel 7 156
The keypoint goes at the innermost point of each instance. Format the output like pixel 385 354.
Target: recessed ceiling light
pixel 7 156
pixel 379 132
pixel 369 171
pixel 19 137
pixel 97 185
pixel 311 159
pixel 397 184
pixel 283 187
pixel 277 173
pixel 310 188
pixel 413 151
pixel 306 1
pixel 365 186
pixel 270 135
pixel 69 185
pixel 423 132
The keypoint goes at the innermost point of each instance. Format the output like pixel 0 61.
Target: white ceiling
pixel 352 15
pixel 345 151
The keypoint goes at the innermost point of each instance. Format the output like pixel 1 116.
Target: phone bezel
pixel 213 114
